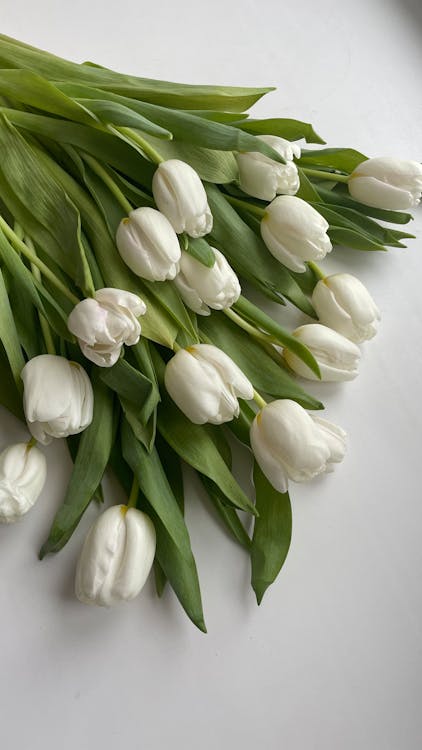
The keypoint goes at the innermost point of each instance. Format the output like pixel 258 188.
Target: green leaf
pixel 340 197
pixel 90 463
pixel 340 216
pixel 184 126
pixel 212 165
pixel 106 147
pixel 45 212
pixel 31 89
pixel 248 255
pixel 10 397
pixel 342 159
pixel 114 112
pixel 249 355
pixel 307 191
pixel 272 534
pixel 181 572
pixel 200 250
pixel 9 336
pixel 263 321
pixel 14 53
pixel 351 238
pixel 32 290
pixel 133 386
pixel 227 514
pixel 292 130
pixel 154 484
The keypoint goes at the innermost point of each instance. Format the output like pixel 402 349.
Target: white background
pixel 332 658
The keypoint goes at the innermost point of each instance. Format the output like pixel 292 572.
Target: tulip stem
pixel 31 443
pixel 259 400
pixel 319 273
pixel 176 346
pixel 133 497
pixel 20 246
pixel 255 332
pixel 44 325
pixel 111 184
pixel 322 175
pixel 146 147
pixel 245 206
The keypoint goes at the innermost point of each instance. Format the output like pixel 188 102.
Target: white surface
pixel 332 658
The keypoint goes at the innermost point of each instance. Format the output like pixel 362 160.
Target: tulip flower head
pixel 58 399
pixel 104 323
pixel 288 443
pixel 148 244
pixel 265 178
pixel 206 384
pixel 337 357
pixel 384 182
pixel 180 195
pixel 294 232
pixel 342 302
pixel 203 288
pixel 23 471
pixel 116 557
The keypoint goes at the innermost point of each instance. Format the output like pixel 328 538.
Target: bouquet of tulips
pixel 131 211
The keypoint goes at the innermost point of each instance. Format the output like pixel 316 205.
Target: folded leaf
pixel 272 534
pixel 90 463
pixel 292 130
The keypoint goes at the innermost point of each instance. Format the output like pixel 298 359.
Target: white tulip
pixel 337 357
pixel 202 287
pixel 265 178
pixel 288 443
pixel 23 470
pixel 116 557
pixel 180 195
pixel 205 384
pixel 104 323
pixel 395 184
pixel 342 302
pixel 148 244
pixel 294 232
pixel 58 399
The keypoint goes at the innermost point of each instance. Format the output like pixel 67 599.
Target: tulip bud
pixel 342 302
pixel 384 182
pixel 148 244
pixel 294 232
pixel 205 384
pixel 23 470
pixel 288 443
pixel 58 399
pixel 116 557
pixel 265 178
pixel 180 195
pixel 201 287
pixel 337 357
pixel 104 323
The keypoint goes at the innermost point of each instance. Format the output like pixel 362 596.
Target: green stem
pixel 133 497
pixel 20 246
pixel 255 332
pixel 321 175
pixel 31 443
pixel 259 400
pixel 146 147
pixel 319 273
pixel 244 205
pixel 111 184
pixel 45 328
pixel 176 346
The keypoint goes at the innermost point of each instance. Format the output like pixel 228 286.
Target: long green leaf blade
pixel 90 463
pixel 272 534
